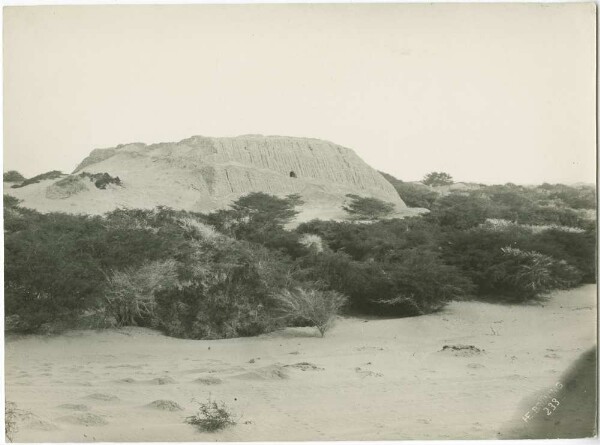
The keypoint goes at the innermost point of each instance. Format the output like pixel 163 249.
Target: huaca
pixel 207 173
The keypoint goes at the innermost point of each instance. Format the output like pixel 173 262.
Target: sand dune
pixel 463 373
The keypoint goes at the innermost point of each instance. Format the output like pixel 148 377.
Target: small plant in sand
pixel 10 420
pixel 211 416
pixel 319 308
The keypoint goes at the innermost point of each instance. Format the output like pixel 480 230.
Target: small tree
pixel 319 308
pixel 437 178
pixel 368 208
pixel 256 217
pixel 261 207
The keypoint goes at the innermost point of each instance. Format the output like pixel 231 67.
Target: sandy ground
pixel 367 379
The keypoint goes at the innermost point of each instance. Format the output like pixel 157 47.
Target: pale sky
pixel 489 93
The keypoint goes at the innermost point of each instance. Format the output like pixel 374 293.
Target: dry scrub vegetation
pixel 239 272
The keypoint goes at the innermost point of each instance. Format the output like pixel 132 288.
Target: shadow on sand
pixel 575 414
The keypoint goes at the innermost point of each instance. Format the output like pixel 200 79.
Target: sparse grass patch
pixel 130 293
pixel 319 308
pixel 212 416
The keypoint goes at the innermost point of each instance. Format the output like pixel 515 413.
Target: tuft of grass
pixel 318 308
pixel 130 293
pixel 211 416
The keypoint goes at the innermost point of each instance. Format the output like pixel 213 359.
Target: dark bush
pixel 482 255
pixel 227 292
pixel 13 176
pixel 376 241
pixel 50 269
pixel 101 180
pixel 260 218
pixel 521 275
pixel 437 179
pixel 417 282
pixel 458 211
pixel 56 264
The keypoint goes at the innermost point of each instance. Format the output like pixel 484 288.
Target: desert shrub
pixel 367 208
pixel 580 197
pixel 10 201
pixel 458 211
pixel 577 249
pixel 101 180
pixel 224 292
pixel 212 416
pixel 415 282
pixel 196 229
pixel 312 242
pixel 54 174
pixel 423 284
pixel 316 307
pixel 13 176
pixel 482 255
pixel 130 292
pixel 56 264
pixel 524 275
pixel 260 218
pixel 50 268
pixel 136 236
pixel 10 420
pixel 437 178
pixel 413 195
pixel 543 205
pixel 376 241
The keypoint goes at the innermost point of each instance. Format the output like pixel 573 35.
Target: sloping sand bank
pixel 367 379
